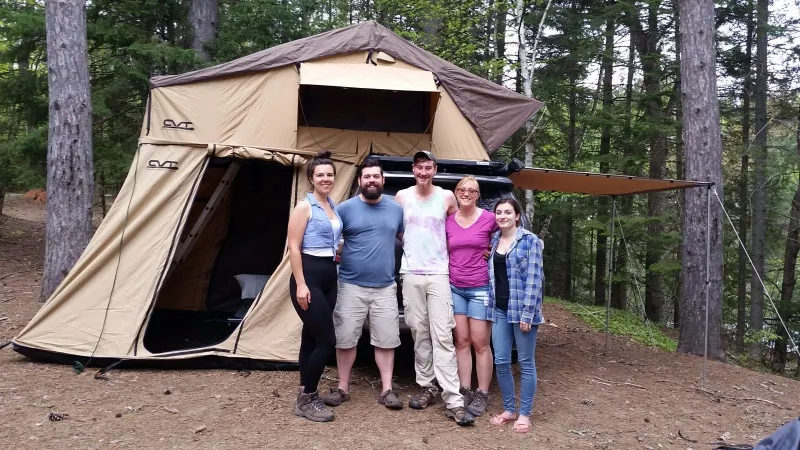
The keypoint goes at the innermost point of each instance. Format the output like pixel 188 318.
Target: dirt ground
pixel 631 397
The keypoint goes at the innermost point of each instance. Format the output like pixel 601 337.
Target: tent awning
pixel 367 76
pixel 594 183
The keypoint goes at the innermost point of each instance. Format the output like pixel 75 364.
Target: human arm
pixel 450 202
pixel 534 276
pixel 298 221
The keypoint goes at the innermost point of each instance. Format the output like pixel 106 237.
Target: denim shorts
pixel 471 302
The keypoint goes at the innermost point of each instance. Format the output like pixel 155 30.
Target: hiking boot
pixel 311 407
pixel 426 397
pixel 480 400
pixel 336 397
pixel 390 400
pixel 467 393
pixel 460 415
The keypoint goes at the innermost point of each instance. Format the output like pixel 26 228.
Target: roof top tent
pixel 189 266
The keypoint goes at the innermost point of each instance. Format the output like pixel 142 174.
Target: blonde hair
pixel 466 180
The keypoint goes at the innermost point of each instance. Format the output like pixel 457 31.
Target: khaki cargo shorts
pixel 355 303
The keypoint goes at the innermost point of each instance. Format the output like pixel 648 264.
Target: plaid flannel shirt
pixel 525 278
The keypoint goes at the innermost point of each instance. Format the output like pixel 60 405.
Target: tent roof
pixel 594 183
pixel 495 112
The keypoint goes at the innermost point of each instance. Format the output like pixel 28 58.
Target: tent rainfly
pixel 189 266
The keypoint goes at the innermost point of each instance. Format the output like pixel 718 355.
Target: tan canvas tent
pixel 190 263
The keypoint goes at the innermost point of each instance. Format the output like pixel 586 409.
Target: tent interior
pixel 208 290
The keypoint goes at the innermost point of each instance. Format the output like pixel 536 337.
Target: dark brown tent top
pixel 495 111
pixel 594 183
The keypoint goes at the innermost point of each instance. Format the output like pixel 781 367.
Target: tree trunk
pixel 654 281
pixel 500 39
pixel 760 178
pixel 780 354
pixel 203 19
pixel 679 171
pixel 619 289
pixel 744 200
pixel 525 68
pixel 70 169
pixel 2 198
pixel 601 268
pixel 703 162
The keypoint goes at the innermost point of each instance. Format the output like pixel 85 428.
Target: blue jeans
pixel 504 335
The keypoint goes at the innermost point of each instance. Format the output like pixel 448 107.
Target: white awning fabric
pixel 367 76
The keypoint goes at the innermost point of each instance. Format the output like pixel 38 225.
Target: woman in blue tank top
pixel 314 231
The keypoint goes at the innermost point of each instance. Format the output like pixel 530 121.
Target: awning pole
pixel 610 267
pixel 708 278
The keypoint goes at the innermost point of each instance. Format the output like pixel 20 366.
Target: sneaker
pixel 480 400
pixel 460 415
pixel 467 393
pixel 336 397
pixel 426 397
pixel 311 407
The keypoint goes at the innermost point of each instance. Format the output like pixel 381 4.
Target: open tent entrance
pixel 232 242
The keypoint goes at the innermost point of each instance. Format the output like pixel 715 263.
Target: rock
pixel 200 429
pixel 167 392
pixel 118 415
pixel 170 410
pixel 647 419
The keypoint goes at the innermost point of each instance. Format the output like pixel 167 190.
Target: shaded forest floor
pixel 631 397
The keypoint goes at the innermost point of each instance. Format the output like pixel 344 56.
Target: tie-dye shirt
pixel 424 240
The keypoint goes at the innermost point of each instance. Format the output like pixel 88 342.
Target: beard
pixel 372 191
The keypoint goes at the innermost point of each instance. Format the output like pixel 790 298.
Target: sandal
pixel 390 400
pixel 336 397
pixel 521 428
pixel 500 420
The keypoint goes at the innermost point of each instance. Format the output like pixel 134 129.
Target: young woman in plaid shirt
pixel 516 276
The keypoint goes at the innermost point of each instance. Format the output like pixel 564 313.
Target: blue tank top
pixel 320 233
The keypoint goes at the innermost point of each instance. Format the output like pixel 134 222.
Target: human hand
pixel 525 327
pixel 487 253
pixel 303 296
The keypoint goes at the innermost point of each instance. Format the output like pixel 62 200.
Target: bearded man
pixel 367 287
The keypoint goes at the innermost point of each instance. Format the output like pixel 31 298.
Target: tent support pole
pixel 222 188
pixel 708 279
pixel 610 268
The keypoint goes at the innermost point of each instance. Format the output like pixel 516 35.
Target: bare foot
pixel 522 425
pixel 503 418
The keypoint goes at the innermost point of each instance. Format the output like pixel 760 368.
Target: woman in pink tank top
pixel 469 232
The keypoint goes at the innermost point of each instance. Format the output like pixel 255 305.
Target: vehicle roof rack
pixel 403 163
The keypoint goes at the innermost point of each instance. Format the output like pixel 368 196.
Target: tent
pixel 189 267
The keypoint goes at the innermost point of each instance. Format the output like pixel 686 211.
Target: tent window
pixel 364 109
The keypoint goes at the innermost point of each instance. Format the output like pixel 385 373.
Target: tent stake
pixel 708 278
pixel 610 267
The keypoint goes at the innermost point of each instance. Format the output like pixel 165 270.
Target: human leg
pixel 502 339
pixel 462 339
pixel 416 315
pixel 440 311
pixel 384 327
pixel 526 347
pixel 318 336
pixel 348 321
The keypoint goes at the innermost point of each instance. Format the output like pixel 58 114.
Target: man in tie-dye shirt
pixel 426 288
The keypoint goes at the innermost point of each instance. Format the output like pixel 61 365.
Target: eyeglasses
pixel 469 191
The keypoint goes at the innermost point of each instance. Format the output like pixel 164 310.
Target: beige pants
pixel 429 315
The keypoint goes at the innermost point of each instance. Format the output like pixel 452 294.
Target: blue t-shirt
pixel 369 231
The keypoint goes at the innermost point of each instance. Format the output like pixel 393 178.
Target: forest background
pixel 608 72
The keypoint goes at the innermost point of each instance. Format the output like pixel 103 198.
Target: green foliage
pixel 621 323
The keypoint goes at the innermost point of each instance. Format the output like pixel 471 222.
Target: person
pixel 313 237
pixel 516 277
pixel 469 233
pixel 367 287
pixel 426 289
